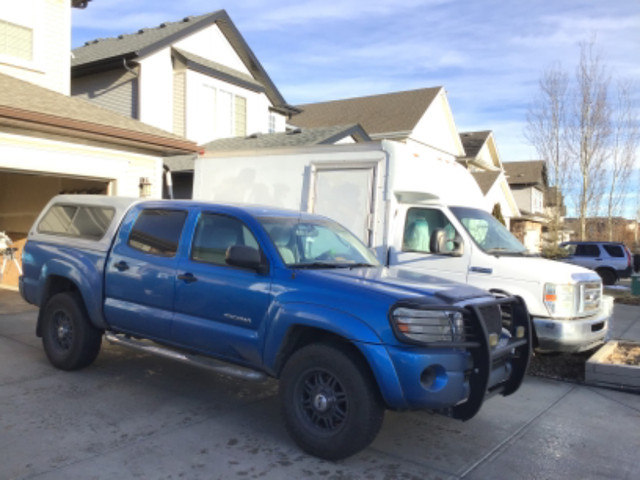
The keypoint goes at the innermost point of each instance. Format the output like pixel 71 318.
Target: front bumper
pixel 575 334
pixel 456 380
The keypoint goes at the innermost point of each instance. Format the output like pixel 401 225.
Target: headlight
pixel 427 326
pixel 560 300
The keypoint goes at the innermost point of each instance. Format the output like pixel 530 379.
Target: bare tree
pixel 624 144
pixel 545 130
pixel 589 130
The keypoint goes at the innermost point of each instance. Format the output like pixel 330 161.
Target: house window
pixel 272 123
pixel 16 40
pixel 537 201
pixel 240 115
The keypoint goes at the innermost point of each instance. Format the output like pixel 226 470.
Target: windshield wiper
pixel 317 265
pixel 329 265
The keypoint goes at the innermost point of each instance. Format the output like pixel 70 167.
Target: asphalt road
pixel 135 416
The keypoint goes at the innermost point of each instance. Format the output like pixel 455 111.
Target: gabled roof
pixel 300 137
pixel 524 174
pixel 30 107
pixel 106 53
pixel 485 180
pixel 473 142
pixel 388 115
pixel 217 70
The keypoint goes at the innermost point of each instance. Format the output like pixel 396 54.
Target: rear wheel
pixel 330 401
pixel 70 340
pixel 608 276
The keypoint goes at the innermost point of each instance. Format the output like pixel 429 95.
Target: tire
pixel 608 276
pixel 69 339
pixel 330 401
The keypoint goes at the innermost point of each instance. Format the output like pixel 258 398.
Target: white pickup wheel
pixel 70 340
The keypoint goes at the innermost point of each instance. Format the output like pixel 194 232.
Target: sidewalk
pixel 133 415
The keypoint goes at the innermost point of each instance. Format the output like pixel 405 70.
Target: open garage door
pixel 22 197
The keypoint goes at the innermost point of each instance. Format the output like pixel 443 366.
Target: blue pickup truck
pixel 255 292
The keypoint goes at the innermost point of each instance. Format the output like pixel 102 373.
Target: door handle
pixel 187 277
pixel 121 266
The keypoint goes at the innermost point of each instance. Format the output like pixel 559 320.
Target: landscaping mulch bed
pixel 561 366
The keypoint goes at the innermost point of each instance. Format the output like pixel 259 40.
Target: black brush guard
pixel 514 355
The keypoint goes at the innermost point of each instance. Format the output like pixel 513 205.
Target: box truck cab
pixel 418 209
pixel 469 245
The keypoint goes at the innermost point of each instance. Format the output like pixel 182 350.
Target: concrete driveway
pixel 131 415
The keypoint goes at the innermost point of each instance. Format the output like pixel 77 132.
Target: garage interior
pixel 22 197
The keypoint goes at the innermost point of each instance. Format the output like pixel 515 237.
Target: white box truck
pixel 419 212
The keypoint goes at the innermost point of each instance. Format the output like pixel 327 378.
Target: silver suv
pixel 611 260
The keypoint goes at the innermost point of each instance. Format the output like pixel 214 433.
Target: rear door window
pixel 587 251
pixel 157 231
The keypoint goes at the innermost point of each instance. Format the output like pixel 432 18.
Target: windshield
pixel 316 243
pixel 489 234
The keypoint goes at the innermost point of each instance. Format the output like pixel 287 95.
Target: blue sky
pixel 488 54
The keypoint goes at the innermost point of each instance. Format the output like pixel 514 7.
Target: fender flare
pixel 341 324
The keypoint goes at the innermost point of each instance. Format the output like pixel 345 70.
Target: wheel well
pixel 300 336
pixel 55 284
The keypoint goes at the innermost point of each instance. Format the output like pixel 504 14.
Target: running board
pixel 190 359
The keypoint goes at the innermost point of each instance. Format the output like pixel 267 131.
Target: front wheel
pixel 70 340
pixel 330 401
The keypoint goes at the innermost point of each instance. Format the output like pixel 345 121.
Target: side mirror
pixel 244 257
pixel 439 243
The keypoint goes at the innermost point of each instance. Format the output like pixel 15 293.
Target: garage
pixel 22 197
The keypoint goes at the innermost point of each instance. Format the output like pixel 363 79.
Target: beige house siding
pixel 179 103
pixel 116 90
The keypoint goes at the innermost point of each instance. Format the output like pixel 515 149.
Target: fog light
pixel 433 378
pixel 493 340
pixel 520 332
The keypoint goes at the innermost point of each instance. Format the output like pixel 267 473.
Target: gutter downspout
pixel 169 181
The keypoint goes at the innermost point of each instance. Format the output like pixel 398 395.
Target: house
pixel 195 77
pixel 182 167
pixel 421 118
pixel 481 158
pixel 528 181
pixel 51 143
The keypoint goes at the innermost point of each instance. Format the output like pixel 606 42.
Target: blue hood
pixel 396 283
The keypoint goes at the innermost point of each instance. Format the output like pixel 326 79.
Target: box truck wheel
pixel 70 340
pixel 330 402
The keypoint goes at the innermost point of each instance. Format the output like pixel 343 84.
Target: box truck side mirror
pixel 439 243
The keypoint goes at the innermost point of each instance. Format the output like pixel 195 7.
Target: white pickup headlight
pixel 428 326
pixel 560 300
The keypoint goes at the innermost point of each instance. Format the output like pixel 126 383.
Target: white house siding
pixel 210 43
pixel 155 87
pixel 50 21
pixel 116 90
pixel 437 128
pixel 122 169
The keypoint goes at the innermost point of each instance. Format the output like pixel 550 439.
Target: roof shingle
pixel 388 115
pixel 20 99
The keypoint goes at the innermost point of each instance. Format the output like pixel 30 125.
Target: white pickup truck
pixel 420 212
